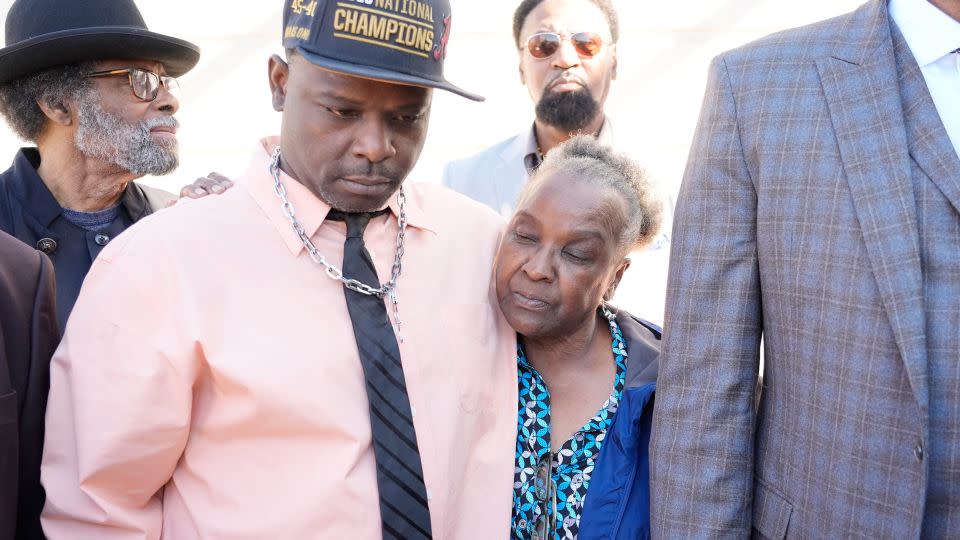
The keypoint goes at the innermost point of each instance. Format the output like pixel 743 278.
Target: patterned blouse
pixel 549 489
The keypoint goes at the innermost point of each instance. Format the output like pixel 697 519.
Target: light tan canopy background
pixel 664 51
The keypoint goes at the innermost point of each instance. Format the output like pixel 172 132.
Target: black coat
pixel 29 212
pixel 28 337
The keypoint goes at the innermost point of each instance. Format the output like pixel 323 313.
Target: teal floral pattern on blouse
pixel 549 489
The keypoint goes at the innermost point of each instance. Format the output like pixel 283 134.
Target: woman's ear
pixel 617 276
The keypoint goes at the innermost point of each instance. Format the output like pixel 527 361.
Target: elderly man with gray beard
pixel 93 89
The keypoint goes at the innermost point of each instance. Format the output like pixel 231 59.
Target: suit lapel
pixel 928 141
pixel 511 174
pixel 860 85
pixel 500 177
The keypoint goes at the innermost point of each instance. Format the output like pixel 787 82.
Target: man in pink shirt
pixel 331 365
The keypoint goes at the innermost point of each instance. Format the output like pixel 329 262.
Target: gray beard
pixel 105 136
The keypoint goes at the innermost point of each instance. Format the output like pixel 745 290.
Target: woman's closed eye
pixel 576 256
pixel 524 237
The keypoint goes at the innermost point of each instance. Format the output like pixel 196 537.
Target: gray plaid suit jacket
pixel 820 210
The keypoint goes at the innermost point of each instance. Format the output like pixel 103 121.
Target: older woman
pixel 586 375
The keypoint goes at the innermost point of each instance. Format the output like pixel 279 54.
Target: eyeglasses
pixel 145 84
pixel 546 44
pixel 545 489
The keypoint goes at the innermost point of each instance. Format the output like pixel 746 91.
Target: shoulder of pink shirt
pixel 434 207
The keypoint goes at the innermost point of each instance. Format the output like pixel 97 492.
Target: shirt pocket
pixel 468 341
pixel 456 359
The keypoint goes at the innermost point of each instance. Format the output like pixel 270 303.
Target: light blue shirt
pixel 933 37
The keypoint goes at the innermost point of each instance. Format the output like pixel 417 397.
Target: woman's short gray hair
pixel 586 158
pixel 19 98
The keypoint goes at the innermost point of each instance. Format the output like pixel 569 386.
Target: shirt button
pixel 101 239
pixel 918 451
pixel 47 245
pixel 579 436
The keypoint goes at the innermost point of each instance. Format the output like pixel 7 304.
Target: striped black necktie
pixel 403 495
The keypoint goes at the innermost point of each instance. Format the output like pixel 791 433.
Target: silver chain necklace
pixel 387 289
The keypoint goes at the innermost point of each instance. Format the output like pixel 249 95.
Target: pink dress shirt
pixel 208 384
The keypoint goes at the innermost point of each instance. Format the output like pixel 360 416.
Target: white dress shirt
pixel 934 38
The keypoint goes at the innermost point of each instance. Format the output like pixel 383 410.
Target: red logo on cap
pixel 440 50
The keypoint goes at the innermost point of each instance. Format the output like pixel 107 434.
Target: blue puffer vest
pixel 617 505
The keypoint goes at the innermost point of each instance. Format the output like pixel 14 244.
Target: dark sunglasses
pixel 145 84
pixel 546 44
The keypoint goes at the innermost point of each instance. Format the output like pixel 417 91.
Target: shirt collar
pixel 36 197
pixel 311 211
pixel 930 33
pixel 135 202
pixel 43 206
pixel 531 153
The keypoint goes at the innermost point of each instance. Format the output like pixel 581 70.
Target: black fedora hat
pixel 397 41
pixel 41 34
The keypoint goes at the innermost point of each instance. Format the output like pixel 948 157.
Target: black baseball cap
pixel 399 41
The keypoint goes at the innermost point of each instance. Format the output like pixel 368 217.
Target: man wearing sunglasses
pixel 567 60
pixel 95 91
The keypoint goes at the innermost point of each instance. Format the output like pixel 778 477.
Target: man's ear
pixel 523 77
pixel 58 113
pixel 613 68
pixel 617 276
pixel 278 72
